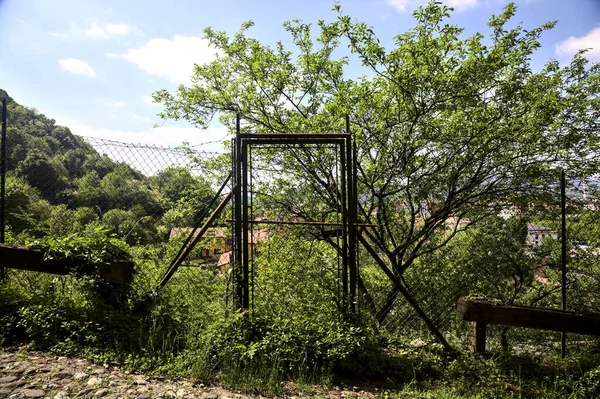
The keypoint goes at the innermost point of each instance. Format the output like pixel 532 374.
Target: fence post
pixel 563 261
pixel 3 184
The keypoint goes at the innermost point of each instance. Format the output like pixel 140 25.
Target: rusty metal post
pixel 351 220
pixel 3 184
pixel 563 257
pixel 237 231
pixel 345 257
pixel 245 229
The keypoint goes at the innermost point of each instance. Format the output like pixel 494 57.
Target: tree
pixel 449 129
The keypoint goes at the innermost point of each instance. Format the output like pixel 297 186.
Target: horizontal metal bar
pixel 296 135
pixel 294 141
pixel 294 222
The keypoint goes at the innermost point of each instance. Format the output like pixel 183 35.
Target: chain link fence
pixel 59 184
pixel 513 257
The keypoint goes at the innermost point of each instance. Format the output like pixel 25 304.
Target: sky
pixel 93 65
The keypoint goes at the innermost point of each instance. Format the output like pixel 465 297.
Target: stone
pixel 169 394
pixel 62 395
pixel 8 379
pixel 180 393
pixel 14 384
pixel 33 393
pixel 210 395
pixel 101 392
pixel 80 376
pixel 83 392
pixel 62 374
pixel 143 396
pixel 140 382
pixel 94 381
pixel 4 392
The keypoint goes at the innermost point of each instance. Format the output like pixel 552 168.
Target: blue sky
pixel 93 65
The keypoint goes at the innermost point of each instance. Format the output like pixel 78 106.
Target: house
pixel 216 244
pixel 536 234
pixel 216 241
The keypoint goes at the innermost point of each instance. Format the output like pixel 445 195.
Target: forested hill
pixel 57 184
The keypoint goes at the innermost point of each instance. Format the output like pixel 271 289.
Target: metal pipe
pixel 197 238
pixel 344 226
pixel 3 184
pixel 238 292
pixel 351 220
pixel 245 230
pixel 199 218
pixel 296 141
pixel 301 136
pixel 294 222
pixel 563 208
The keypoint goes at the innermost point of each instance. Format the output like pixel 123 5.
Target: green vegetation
pixel 459 143
pixel 57 185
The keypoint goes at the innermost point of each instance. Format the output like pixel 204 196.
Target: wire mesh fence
pixel 59 184
pixel 513 257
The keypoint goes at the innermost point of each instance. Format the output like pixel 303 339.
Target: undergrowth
pixel 256 352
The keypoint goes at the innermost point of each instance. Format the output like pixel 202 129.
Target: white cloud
pixel 172 59
pixel 160 136
pixel 57 34
pixel 568 48
pixel 77 67
pixel 109 30
pixel 112 103
pixel 149 100
pixel 407 5
pixel 399 5
pixel 105 31
pixel 139 118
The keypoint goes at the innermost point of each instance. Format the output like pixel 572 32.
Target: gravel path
pixel 26 374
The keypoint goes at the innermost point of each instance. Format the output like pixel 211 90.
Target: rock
pixel 62 375
pixel 210 395
pixel 4 392
pixel 80 376
pixel 180 393
pixel 143 396
pixel 62 395
pixel 101 392
pixel 8 379
pixel 140 382
pixel 83 392
pixel 169 394
pixel 33 393
pixel 94 381
pixel 14 384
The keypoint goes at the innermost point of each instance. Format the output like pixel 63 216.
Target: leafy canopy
pixel 450 129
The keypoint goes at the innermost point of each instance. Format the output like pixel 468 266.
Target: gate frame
pixel 241 203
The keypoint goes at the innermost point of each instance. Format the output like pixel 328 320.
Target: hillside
pixel 57 184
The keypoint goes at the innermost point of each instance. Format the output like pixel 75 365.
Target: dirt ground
pixel 27 374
